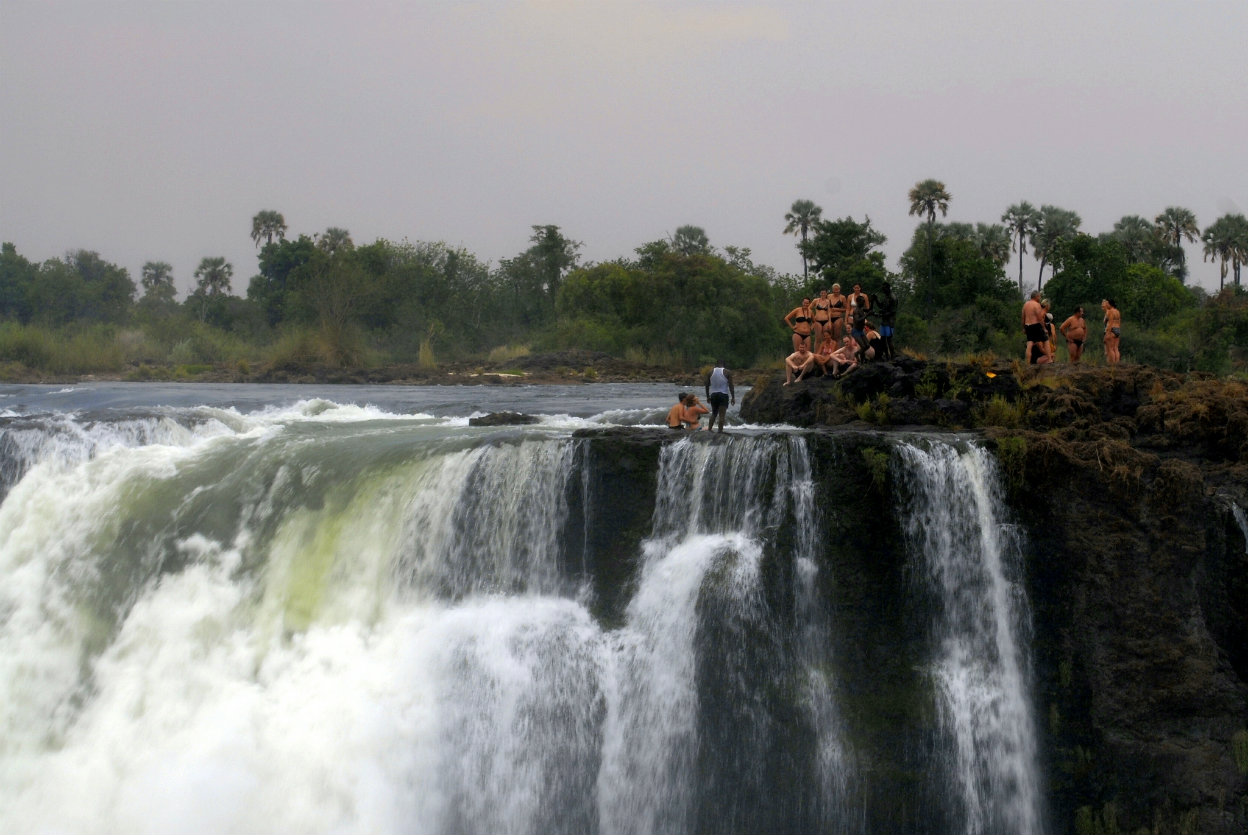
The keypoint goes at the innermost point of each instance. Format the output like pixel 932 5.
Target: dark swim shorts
pixel 719 400
pixel 1036 332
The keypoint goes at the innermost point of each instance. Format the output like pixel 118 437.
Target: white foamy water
pixel 970 556
pixel 315 620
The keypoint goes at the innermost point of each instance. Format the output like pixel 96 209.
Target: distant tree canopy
pixel 846 252
pixel 79 287
pixel 677 300
pixel 693 308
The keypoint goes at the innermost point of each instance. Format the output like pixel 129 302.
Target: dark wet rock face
pixel 1127 481
pixel 503 419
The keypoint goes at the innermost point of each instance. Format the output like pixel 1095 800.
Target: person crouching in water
pixel 719 393
pixel 675 413
pixel 694 410
pixel 798 364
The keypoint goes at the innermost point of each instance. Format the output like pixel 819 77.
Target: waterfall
pixel 701 604
pixel 968 553
pixel 329 619
pixel 1242 518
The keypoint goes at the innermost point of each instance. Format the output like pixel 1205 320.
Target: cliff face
pixel 1127 481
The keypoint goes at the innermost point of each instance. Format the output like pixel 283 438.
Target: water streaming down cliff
pixel 325 619
pixel 970 556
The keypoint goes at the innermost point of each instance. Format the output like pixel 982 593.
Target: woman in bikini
pixel 822 309
pixel 840 306
pixel 1113 331
pixel 691 417
pixel 800 320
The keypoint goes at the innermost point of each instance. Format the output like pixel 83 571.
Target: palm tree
pixel 925 199
pixel 158 281
pixel 1020 221
pixel 335 239
pixel 803 215
pixel 268 224
pixel 212 278
pixel 1054 225
pixel 1136 235
pixel 1174 225
pixel 1227 240
pixel 994 242
pixel 691 240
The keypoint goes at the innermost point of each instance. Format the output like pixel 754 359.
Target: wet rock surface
pixel 1127 481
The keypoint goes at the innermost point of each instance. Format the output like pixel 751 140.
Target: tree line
pixel 676 301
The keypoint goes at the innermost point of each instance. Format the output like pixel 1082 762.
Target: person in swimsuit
pixel 675 413
pixel 1033 324
pixel 875 342
pixel 798 364
pixel 822 309
pixel 1050 329
pixel 1075 329
pixel 800 320
pixel 857 324
pixel 886 306
pixel 824 360
pixel 846 357
pixel 694 410
pixel 840 307
pixel 720 393
pixel 1113 331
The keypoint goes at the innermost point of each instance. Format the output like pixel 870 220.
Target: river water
pixel 250 608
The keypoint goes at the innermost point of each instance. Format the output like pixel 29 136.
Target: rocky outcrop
pixel 1127 481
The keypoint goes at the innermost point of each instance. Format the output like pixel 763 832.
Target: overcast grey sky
pixel 156 130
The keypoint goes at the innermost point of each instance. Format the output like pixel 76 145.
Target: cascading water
pixel 1242 519
pixel 317 623
pixel 330 618
pixel 969 554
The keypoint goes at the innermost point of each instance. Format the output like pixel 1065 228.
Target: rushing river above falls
pixel 345 609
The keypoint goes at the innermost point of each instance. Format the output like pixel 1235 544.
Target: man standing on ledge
pixel 719 393
pixel 1033 326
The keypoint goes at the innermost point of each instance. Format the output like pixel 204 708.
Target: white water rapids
pixel 336 619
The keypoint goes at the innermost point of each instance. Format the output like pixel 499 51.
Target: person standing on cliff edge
pixel 719 393
pixel 1033 326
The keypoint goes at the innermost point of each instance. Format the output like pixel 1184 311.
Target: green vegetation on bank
pixel 676 302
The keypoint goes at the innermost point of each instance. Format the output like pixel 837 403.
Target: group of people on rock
pixel 832 334
pixel 1041 335
pixel 720 393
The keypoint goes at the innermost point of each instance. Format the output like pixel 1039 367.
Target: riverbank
pixel 558 367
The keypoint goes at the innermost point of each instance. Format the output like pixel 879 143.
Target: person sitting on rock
pixel 824 360
pixel 845 357
pixel 875 343
pixel 694 410
pixel 798 364
pixel 675 413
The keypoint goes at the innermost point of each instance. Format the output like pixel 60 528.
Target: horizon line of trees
pixel 677 300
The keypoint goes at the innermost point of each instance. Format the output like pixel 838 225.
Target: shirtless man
pixel 674 414
pixel 798 364
pixel 1075 329
pixel 1033 326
